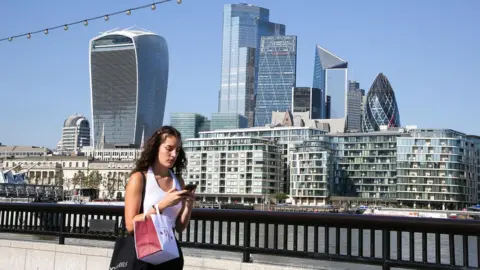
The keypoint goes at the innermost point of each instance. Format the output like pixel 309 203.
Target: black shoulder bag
pixel 124 255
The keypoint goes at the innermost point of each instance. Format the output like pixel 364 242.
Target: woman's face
pixel 168 151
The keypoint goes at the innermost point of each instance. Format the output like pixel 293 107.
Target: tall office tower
pixel 243 25
pixel 189 124
pixel 75 134
pixel 330 75
pixel 354 108
pixel 381 106
pixel 328 107
pixel 277 75
pixel 128 79
pixel 306 99
pixel 228 121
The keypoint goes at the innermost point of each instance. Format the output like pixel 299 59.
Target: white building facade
pixel 235 169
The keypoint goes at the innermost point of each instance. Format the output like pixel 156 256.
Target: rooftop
pixel 22 148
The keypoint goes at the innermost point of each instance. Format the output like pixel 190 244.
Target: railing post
pixel 61 237
pixel 386 249
pixel 246 242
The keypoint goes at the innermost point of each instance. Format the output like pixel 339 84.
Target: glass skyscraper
pixel 228 121
pixel 128 80
pixel 277 76
pixel 306 99
pixel 189 124
pixel 381 106
pixel 354 109
pixel 243 25
pixel 330 75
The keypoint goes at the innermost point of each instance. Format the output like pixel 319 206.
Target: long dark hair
pixel 150 151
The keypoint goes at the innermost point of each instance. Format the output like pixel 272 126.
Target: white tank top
pixel 154 194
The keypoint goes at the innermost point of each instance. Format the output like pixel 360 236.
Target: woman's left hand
pixel 190 197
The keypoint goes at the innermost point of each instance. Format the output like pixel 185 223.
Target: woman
pixel 161 162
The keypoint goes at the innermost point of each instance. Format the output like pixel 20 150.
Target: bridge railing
pixel 418 243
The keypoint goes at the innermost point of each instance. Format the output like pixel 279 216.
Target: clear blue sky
pixel 428 49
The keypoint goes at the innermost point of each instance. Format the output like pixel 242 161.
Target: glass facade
pixel 330 75
pixel 228 121
pixel 189 124
pixel 354 108
pixel 328 106
pixel 381 106
pixel 276 77
pixel 243 25
pixel 307 99
pixel 129 78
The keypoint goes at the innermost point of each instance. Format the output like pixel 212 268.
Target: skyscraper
pixel 328 107
pixel 381 106
pixel 277 75
pixel 243 25
pixel 128 80
pixel 330 75
pixel 354 108
pixel 189 124
pixel 306 99
pixel 75 134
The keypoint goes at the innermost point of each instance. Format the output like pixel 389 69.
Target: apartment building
pixel 234 169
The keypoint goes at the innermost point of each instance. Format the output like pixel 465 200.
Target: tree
pixel 67 183
pixel 110 184
pixel 78 179
pixel 281 197
pixel 122 183
pixel 59 181
pixel 94 179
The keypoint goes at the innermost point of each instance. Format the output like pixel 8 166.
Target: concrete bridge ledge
pixel 29 255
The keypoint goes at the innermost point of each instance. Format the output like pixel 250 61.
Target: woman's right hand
pixel 172 197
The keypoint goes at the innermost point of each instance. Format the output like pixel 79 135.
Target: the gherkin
pixel 380 106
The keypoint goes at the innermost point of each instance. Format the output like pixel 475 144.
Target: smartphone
pixel 191 186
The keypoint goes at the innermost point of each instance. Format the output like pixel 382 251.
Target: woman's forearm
pixel 184 218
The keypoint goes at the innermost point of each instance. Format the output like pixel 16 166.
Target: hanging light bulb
pixel 65 27
pixel 154 7
pixel 129 12
pixel 179 1
pixel 10 39
pixel 29 35
pixel 46 31
pixel 106 17
pixel 85 22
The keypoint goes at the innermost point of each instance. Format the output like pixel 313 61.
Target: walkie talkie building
pixel 128 82
pixel 381 107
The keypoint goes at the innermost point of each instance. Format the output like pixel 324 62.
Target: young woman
pixel 161 162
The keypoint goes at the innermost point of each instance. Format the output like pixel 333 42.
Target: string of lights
pixel 85 22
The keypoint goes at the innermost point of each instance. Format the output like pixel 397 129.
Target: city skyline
pixel 65 83
pixel 243 27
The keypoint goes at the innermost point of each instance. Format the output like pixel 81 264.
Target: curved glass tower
pixel 128 83
pixel 381 106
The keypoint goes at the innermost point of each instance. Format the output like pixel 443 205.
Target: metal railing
pixel 418 243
